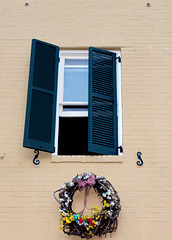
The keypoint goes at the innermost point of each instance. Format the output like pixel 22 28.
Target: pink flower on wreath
pixel 81 220
pixel 90 220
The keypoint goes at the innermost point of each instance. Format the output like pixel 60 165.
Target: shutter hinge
pixel 59 60
pixel 119 59
pixel 121 149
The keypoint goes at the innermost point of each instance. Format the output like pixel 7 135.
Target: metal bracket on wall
pixel 35 160
pixel 140 162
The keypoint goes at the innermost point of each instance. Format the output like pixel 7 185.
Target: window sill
pixel 87 159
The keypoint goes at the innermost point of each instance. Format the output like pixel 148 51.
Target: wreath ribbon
pixel 87 185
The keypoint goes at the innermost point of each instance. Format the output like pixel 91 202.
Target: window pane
pixel 75 84
pixel 76 62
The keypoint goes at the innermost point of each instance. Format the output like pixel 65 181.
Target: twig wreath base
pixel 99 222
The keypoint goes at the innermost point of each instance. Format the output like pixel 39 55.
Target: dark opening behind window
pixel 73 136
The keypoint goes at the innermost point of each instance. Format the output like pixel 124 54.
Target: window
pixel 88 119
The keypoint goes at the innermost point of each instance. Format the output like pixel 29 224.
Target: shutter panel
pixel 102 107
pixel 41 100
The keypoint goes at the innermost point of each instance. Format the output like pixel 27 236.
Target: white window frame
pixel 70 54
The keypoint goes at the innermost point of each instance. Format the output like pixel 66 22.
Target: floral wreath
pixel 99 222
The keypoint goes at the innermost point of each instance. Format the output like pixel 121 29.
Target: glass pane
pixel 76 62
pixel 75 85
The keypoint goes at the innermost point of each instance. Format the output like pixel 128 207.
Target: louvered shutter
pixel 41 100
pixel 102 107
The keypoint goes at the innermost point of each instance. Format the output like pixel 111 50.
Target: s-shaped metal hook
pixel 140 162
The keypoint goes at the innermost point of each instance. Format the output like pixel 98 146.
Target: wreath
pixel 99 222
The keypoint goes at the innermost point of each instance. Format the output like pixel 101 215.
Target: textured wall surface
pixel 144 36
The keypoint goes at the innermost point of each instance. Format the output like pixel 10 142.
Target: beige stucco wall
pixel 144 35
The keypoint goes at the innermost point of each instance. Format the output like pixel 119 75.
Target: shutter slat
pixel 42 93
pixel 102 107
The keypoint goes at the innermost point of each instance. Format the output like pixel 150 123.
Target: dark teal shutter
pixel 102 107
pixel 41 100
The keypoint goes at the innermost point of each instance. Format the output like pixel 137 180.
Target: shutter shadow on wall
pixel 41 99
pixel 102 107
